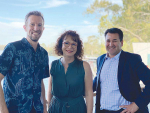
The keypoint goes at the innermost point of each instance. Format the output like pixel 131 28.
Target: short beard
pixel 34 40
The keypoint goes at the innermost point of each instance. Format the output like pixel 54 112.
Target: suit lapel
pixel 101 62
pixel 122 60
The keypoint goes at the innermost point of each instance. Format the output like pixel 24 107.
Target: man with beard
pixel 118 75
pixel 24 65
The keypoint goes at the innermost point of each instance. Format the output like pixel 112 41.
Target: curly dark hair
pixel 75 37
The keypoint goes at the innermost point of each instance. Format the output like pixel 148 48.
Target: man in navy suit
pixel 117 80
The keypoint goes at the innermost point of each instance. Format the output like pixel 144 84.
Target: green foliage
pixel 49 49
pixel 133 18
pixel 93 46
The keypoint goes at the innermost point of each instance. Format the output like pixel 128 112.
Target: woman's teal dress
pixel 67 89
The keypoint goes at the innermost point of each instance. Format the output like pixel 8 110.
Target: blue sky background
pixel 59 15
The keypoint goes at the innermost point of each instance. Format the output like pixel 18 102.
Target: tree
pixel 49 48
pixel 93 46
pixel 133 18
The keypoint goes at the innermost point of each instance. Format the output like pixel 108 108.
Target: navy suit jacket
pixel 131 70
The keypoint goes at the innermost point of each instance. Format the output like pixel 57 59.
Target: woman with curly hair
pixel 71 77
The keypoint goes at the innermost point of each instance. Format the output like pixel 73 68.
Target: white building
pixel 143 49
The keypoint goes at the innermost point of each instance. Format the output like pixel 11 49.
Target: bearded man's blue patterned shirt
pixel 23 69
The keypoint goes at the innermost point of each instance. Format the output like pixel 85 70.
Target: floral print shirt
pixel 23 69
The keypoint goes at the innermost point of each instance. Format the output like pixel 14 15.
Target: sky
pixel 59 16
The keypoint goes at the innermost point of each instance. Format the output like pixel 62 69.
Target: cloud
pixel 55 3
pixel 17 24
pixel 12 25
pixel 28 5
pixel 12 19
pixel 87 22
pixel 44 4
pixel 50 26
pixel 11 32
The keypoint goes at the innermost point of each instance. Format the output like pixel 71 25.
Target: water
pixel 1 52
pixel 52 58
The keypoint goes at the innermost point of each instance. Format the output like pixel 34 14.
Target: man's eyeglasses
pixel 67 44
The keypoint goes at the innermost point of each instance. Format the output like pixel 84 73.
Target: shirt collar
pixel 27 44
pixel 115 57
